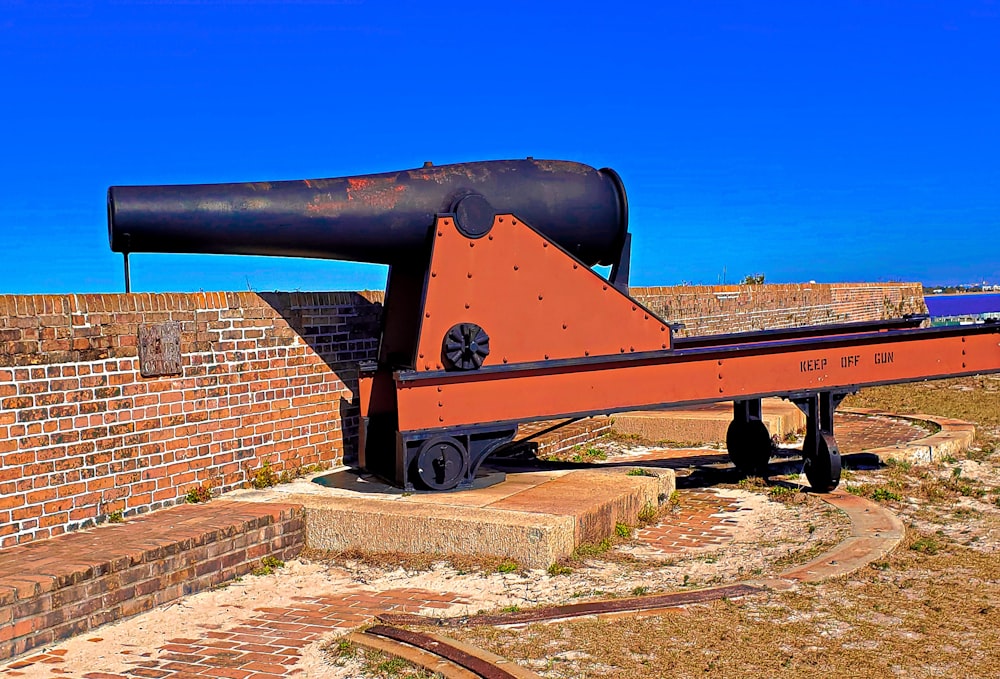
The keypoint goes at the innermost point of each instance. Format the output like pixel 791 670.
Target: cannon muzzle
pixel 379 218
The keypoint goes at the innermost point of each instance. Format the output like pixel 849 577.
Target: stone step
pixel 55 588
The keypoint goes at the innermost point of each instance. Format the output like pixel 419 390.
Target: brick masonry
pixel 263 378
pixel 715 309
pixel 53 589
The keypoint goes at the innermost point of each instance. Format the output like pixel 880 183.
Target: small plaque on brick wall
pixel 160 349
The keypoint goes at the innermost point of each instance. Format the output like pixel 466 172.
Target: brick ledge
pixel 56 588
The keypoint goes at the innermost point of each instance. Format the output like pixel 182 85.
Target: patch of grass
pixel 901 465
pixel 640 472
pixel 621 437
pixel 511 609
pixel 507 566
pixel 592 548
pixel 344 649
pixel 623 531
pixel 640 590
pixel 588 455
pixel 649 513
pixel 375 663
pixel 118 516
pixel 264 476
pixel 307 469
pixel 391 666
pixel 202 493
pixel 412 563
pixel 888 492
pixel 782 494
pixel 268 565
pixel 926 545
pixel 559 569
pixel 885 495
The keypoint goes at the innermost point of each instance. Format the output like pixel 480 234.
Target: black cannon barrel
pixel 380 218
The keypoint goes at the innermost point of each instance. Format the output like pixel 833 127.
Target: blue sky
pixel 839 141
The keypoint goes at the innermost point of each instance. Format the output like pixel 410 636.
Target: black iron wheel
pixel 465 347
pixel 749 446
pixel 441 463
pixel 822 468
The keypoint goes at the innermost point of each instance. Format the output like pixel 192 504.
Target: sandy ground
pixel 762 539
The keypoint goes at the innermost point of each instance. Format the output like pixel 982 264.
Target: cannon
pixel 494 316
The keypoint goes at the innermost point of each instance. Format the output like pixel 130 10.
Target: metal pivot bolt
pixel 465 347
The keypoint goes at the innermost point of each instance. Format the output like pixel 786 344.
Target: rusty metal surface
pixel 568 388
pixel 160 349
pixel 380 218
pixel 536 303
pixel 483 668
pixel 631 604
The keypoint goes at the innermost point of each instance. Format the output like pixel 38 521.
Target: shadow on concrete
pixel 695 471
pixel 358 481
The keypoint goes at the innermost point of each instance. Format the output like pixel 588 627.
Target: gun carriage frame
pixel 491 320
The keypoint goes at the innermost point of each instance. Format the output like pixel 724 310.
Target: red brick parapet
pixel 263 378
pixel 715 309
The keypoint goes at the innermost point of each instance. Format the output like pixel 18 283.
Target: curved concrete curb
pixel 875 531
pixel 955 436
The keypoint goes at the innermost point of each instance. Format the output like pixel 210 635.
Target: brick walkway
pixel 269 643
pixel 856 433
pixel 704 519
pixel 266 646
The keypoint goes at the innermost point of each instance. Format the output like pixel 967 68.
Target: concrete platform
pixel 532 518
pixel 705 424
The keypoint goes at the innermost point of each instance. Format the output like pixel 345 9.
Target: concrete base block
pixel 705 424
pixel 532 518
pixel 531 539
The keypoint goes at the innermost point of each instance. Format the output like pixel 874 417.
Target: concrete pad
pixel 707 423
pixel 532 518
pixel 875 531
pixel 595 502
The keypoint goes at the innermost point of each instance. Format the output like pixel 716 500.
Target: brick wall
pixel 266 377
pixel 714 309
